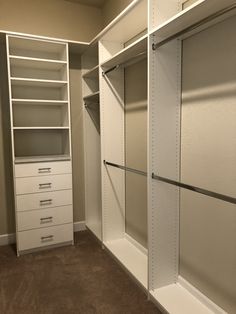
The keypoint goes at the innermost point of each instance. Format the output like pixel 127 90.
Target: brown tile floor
pixel 81 279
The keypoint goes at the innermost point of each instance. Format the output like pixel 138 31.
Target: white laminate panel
pixel 44 218
pixel 43 184
pixel 44 237
pixel 43 200
pixel 42 168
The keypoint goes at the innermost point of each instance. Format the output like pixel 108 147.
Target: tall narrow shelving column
pixel 41 141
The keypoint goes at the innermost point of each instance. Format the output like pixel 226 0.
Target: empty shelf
pixel 125 55
pixel 42 128
pixel 134 260
pixel 19 160
pixel 36 63
pixel 34 82
pixel 175 299
pixel 93 73
pixel 193 14
pixel 39 102
pixel 94 98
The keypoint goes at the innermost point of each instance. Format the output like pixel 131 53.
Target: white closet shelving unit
pixel 122 42
pixel 92 140
pixel 41 141
pixel 168 26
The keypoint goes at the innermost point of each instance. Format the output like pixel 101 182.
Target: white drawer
pixel 43 184
pixel 44 218
pixel 43 200
pixel 45 236
pixel 42 168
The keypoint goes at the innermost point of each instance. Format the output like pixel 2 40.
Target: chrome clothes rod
pixel 142 173
pixel 222 197
pixel 123 63
pixel 194 26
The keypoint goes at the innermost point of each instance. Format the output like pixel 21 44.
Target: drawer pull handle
pixel 46 202
pixel 46 219
pixel 44 170
pixel 45 185
pixel 47 238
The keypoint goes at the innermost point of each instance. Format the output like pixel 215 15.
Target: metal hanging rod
pixel 194 26
pixel 142 173
pixel 124 63
pixel 222 197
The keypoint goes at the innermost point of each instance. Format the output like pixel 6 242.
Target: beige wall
pixel 112 8
pixel 207 225
pixel 53 18
pixel 136 150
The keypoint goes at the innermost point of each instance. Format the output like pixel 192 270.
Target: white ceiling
pixel 94 3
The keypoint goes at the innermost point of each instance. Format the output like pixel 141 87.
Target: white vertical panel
pixel 112 148
pixel 164 155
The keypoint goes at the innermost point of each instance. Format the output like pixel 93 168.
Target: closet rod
pixel 123 63
pixel 142 173
pixel 194 26
pixel 222 197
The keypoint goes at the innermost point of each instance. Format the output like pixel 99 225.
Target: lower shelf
pixel 134 260
pixel 176 299
pixel 19 160
pixel 95 229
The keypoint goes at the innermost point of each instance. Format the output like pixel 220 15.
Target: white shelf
pixel 134 260
pixel 95 229
pixel 175 299
pixel 136 48
pixel 191 15
pixel 94 97
pixel 129 23
pixel 18 81
pixel 19 160
pixel 39 102
pixel 42 128
pixel 36 63
pixel 93 73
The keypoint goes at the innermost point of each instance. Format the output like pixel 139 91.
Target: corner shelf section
pixel 92 74
pixel 92 98
pixel 138 50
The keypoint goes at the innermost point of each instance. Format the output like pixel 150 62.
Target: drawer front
pixel 43 200
pixel 45 236
pixel 44 218
pixel 43 184
pixel 42 169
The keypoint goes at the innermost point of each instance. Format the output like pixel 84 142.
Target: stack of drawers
pixel 43 204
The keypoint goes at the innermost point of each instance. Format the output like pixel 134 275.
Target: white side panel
pixel 164 142
pixel 112 149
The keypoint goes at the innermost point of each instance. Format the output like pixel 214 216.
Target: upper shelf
pixel 195 13
pixel 129 23
pixel 34 82
pixel 45 64
pixel 134 50
pixel 92 98
pixel 93 73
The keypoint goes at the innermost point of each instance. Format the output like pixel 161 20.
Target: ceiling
pixel 94 3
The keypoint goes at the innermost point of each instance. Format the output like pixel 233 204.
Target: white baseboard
pixel 6 239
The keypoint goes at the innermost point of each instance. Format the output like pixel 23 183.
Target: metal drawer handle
pixel 45 202
pixel 45 185
pixel 45 219
pixel 44 170
pixel 47 238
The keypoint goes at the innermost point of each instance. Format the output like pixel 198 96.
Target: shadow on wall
pixel 7 213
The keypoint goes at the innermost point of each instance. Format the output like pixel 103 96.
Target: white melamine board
pixel 42 218
pixel 130 22
pixel 94 97
pixel 175 299
pixel 41 128
pixel 26 202
pixel 134 260
pixel 92 73
pixel 36 82
pixel 191 15
pixel 35 63
pixel 164 155
pixel 127 53
pixel 39 102
pixel 41 158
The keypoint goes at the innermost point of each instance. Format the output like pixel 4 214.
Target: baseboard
pixel 79 226
pixel 6 239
